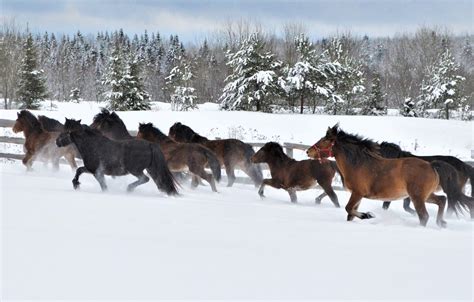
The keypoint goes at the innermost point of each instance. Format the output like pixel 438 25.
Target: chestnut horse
pixel 231 153
pixel 292 175
pixel 368 175
pixel 183 156
pixel 39 142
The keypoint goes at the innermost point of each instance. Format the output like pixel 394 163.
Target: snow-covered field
pixel 58 243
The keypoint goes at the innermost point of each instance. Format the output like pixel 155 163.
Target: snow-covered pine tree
pixel 374 104
pixel 179 86
pixel 409 108
pixel 307 78
pixel 124 90
pixel 253 83
pixel 348 82
pixel 136 96
pixel 75 95
pixel 441 88
pixel 31 86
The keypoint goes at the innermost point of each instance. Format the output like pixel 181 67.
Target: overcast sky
pixel 192 19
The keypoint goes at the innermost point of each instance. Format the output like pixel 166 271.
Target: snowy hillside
pixel 58 243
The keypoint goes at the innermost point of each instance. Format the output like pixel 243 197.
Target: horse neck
pixel 196 138
pixel 275 164
pixel 344 164
pixel 29 130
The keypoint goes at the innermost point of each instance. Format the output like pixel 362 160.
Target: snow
pixel 58 243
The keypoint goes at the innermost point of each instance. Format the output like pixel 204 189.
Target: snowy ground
pixel 58 243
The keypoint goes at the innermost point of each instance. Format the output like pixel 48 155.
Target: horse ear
pixel 18 114
pixel 79 121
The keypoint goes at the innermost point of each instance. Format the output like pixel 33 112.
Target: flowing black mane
pixel 50 124
pixel 185 133
pixel 148 127
pixel 356 148
pixel 107 121
pixel 275 150
pixel 31 120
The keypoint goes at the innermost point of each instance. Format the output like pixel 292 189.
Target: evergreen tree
pixel 347 82
pixel 441 88
pixel 253 83
pixel 75 95
pixel 375 102
pixel 178 83
pixel 31 86
pixel 124 88
pixel 409 108
pixel 307 78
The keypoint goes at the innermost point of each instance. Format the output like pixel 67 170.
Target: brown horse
pixel 39 142
pixel 368 175
pixel 292 175
pixel 183 156
pixel 231 153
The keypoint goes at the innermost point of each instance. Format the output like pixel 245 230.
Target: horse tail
pixel 160 173
pixel 255 170
pixel 448 179
pixel 336 168
pixel 214 163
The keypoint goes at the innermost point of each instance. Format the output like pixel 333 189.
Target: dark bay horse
pixel 111 125
pixel 231 153
pixel 103 156
pixel 184 156
pixel 40 143
pixel 368 175
pixel 292 175
pixel 50 124
pixel 453 173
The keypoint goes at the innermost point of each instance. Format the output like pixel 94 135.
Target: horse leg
pixel 420 208
pixel 28 161
pixel 229 170
pixel 351 208
pixel 142 178
pixel 99 176
pixel 292 193
pixel 441 202
pixel 195 181
pixel 268 181
pixel 55 162
pixel 406 206
pixel 328 190
pixel 386 205
pixel 318 199
pixel 75 180
pixel 71 159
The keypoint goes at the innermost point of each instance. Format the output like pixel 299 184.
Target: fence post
pixel 289 151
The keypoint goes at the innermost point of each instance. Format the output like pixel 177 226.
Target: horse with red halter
pixel 292 175
pixel 41 143
pixel 368 175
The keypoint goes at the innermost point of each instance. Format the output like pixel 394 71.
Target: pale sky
pixel 191 19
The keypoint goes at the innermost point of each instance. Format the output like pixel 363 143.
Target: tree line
pixel 427 73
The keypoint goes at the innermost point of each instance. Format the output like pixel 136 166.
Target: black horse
pixel 453 174
pixel 103 156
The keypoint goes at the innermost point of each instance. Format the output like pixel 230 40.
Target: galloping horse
pixel 368 175
pixel 292 175
pixel 39 142
pixel 103 156
pixel 111 125
pixel 231 153
pixel 453 176
pixel 183 156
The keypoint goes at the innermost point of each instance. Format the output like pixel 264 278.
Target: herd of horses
pixel 367 169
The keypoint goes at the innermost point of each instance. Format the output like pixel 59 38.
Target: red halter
pixel 328 150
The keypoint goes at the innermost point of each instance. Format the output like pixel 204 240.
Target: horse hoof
pixel 261 196
pixel 442 224
pixel 76 185
pixel 317 201
pixel 367 215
